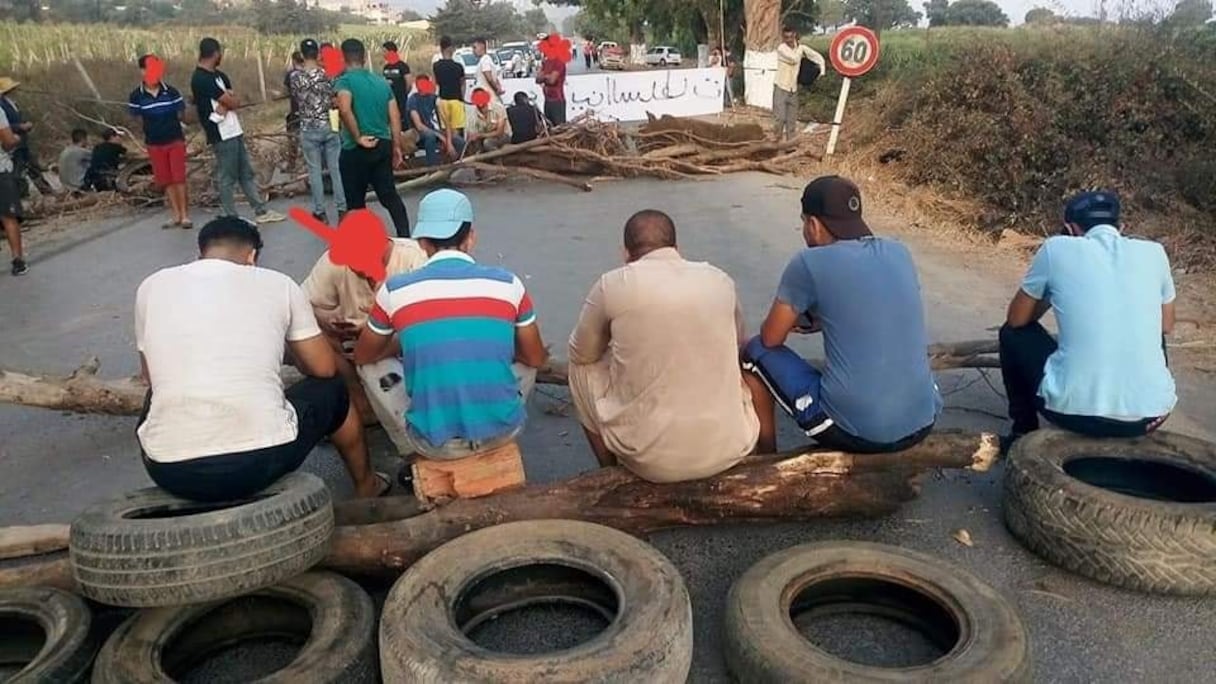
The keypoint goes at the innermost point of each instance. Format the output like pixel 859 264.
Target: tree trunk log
pixel 796 485
pixel 762 21
pixel 84 392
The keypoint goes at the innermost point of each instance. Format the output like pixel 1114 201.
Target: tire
pixel 330 615
pixel 649 638
pixel 208 552
pixel 981 633
pixel 48 630
pixel 1134 542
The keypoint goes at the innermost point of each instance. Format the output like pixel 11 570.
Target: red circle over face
pixel 855 38
pixel 426 86
pixel 481 98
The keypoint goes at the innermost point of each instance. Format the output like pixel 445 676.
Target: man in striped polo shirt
pixel 467 335
pixel 159 108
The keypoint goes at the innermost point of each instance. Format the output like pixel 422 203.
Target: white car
pixel 663 55
pixel 469 60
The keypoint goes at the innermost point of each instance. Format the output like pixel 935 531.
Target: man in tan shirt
pixel 341 300
pixel 785 84
pixel 654 362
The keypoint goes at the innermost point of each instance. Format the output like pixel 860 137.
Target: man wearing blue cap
pixel 1113 298
pixel 468 338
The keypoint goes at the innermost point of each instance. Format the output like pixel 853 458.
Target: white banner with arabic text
pixel 629 95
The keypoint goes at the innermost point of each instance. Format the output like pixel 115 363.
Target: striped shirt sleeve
pixel 525 315
pixel 380 319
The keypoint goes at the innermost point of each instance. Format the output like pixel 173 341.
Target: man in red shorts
pixel 159 107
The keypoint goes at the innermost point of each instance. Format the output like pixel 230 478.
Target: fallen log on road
pixel 84 392
pixel 792 486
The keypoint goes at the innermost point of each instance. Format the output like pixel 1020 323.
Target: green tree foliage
pixel 1191 13
pixel 463 21
pixel 289 16
pixel 975 13
pixel 881 14
pixel 407 15
pixel 535 21
pixel 936 11
pixel 1040 15
pixel 831 13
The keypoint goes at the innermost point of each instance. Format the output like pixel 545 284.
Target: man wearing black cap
pixel 876 392
pixel 1114 300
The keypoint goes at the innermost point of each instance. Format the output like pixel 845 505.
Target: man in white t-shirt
pixel 211 334
pixel 487 72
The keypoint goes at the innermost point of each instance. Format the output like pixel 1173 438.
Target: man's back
pixel 370 95
pixel 866 295
pixel 676 407
pixel 73 163
pixel 213 334
pixel 1107 292
pixel 524 121
pixel 395 73
pixel 449 77
pixel 313 93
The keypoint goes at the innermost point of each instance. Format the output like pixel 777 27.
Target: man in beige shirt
pixel 341 300
pixel 654 362
pixel 785 85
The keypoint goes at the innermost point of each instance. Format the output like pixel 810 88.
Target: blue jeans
pixel 430 143
pixel 317 145
pixel 232 166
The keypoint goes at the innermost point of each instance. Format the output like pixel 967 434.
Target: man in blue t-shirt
pixel 1113 299
pixel 876 392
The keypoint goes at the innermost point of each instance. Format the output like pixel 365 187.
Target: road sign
pixel 854 51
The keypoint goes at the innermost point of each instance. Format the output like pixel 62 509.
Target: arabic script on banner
pixel 629 95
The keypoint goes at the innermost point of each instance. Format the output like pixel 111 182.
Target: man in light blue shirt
pixel 1114 300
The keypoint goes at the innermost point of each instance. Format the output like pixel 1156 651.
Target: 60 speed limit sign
pixel 854 51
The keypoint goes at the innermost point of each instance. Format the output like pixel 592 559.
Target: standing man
pixel 654 362
pixel 1113 298
pixel 217 424
pixel 449 78
pixel 293 113
pixel 588 51
pixel 216 105
pixel 159 108
pixel 10 196
pixel 876 392
pixel 74 160
pixel 313 94
pixel 790 54
pixel 397 73
pixel 467 334
pixel 487 73
pixel 371 136
pixel 24 160
pixel 552 80
pixel 422 109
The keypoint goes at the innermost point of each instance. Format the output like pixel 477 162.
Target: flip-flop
pixel 169 224
pixel 186 225
pixel 388 484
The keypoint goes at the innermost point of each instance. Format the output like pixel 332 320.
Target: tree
pixel 936 12
pixel 289 16
pixel 975 13
pixel 464 21
pixel 1191 13
pixel 535 21
pixel 408 15
pixel 881 14
pixel 1040 15
pixel 831 13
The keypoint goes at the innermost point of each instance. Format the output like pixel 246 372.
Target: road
pixel 77 302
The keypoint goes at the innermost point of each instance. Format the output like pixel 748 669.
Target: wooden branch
pixel 84 392
pixel 533 173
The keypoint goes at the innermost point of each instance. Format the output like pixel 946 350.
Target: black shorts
pixel 321 406
pixel 10 195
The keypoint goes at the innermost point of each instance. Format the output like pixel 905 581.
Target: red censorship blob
pixel 154 70
pixel 331 60
pixel 556 47
pixel 425 86
pixel 481 98
pixel 391 57
pixel 358 243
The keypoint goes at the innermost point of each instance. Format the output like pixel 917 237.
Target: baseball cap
pixel 1092 208
pixel 836 202
pixel 441 214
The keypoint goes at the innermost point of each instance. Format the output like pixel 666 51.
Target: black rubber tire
pixel 340 644
pixel 59 621
pixel 220 552
pixel 648 640
pixel 762 644
pixel 1128 541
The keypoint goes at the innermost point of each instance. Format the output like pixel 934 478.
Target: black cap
pixel 1092 208
pixel 836 202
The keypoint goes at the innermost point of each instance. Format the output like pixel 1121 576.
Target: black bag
pixel 808 72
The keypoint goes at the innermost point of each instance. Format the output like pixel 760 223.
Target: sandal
pixel 169 224
pixel 186 225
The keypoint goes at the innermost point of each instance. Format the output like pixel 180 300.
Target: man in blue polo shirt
pixel 159 108
pixel 876 392
pixel 1113 299
pixel 467 336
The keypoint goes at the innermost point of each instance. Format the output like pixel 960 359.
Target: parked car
pixel 466 57
pixel 663 55
pixel 606 45
pixel 612 57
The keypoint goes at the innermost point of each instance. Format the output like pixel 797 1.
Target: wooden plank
pixel 468 478
pixel 31 540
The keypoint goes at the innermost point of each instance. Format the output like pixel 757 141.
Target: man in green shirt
pixel 371 136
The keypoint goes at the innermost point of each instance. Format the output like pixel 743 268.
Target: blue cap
pixel 1092 208
pixel 441 213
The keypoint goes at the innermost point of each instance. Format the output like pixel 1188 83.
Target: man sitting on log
pixel 341 299
pixel 1113 298
pixel 876 393
pixel 217 425
pixel 467 335
pixel 654 362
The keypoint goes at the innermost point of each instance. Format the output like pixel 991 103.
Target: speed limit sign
pixel 854 51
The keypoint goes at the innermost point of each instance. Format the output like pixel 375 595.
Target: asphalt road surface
pixel 77 302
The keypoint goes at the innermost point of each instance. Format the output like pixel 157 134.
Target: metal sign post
pixel 854 52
